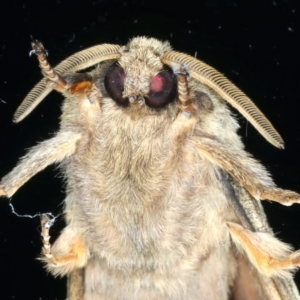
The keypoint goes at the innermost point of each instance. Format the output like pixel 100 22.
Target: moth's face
pixel 140 78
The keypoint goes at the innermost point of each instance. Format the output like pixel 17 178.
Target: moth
pixel 162 201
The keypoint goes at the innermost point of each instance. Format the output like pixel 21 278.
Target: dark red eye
pixel 114 83
pixel 163 89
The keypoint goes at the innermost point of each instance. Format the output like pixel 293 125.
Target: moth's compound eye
pixel 114 83
pixel 163 89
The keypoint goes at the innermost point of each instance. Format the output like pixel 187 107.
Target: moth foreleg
pixel 39 157
pixel 73 82
pixel 248 172
pixel 47 70
pixel 270 256
pixel 185 102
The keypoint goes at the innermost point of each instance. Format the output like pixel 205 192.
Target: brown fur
pixel 147 214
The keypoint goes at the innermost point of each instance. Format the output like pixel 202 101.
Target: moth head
pixel 139 77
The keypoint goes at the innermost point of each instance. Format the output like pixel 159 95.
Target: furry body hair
pixel 148 215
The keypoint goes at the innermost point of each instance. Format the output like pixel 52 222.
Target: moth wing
pixel 250 284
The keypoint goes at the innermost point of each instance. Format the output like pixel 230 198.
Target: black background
pixel 254 43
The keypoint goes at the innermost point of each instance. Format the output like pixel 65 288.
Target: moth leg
pixel 39 157
pixel 185 102
pixel 46 224
pixel 248 172
pixel 73 83
pixel 285 197
pixel 68 252
pixel 270 256
pixel 75 285
pixel 48 72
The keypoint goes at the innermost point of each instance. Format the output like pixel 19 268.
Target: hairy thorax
pixel 144 215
